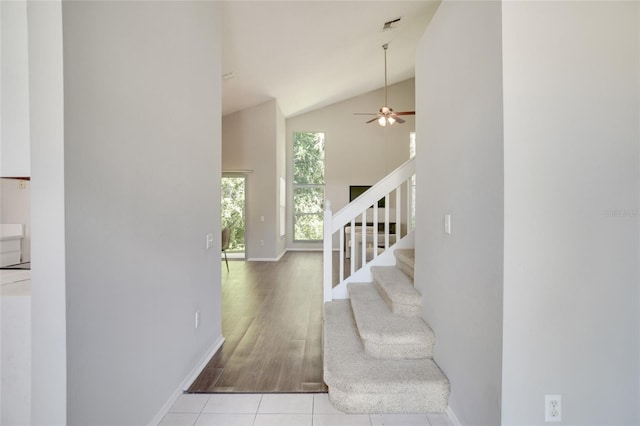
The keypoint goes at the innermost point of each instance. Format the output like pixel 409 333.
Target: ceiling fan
pixel 385 115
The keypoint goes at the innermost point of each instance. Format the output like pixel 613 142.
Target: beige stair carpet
pixel 397 290
pixel 405 260
pixel 385 335
pixel 360 383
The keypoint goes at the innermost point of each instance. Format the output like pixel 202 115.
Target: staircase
pixel 378 352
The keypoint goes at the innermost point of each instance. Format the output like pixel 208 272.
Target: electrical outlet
pixel 197 319
pixel 552 408
pixel 261 243
pixel 22 184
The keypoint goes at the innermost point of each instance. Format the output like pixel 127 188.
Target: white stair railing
pixel 360 230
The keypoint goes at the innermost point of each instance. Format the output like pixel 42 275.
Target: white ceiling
pixel 309 54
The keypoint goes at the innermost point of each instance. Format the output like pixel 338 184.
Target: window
pixel 412 144
pixel 412 153
pixel 232 209
pixel 308 186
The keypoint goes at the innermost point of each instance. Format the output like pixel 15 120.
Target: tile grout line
pixel 255 416
pixel 426 420
pixel 201 410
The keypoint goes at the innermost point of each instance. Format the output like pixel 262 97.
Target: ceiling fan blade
pixel 372 120
pixel 399 120
pixel 405 113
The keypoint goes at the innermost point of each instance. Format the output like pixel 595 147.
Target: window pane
pixel 308 185
pixel 308 199
pixel 412 144
pixel 308 226
pixel 412 153
pixel 232 210
pixel 308 158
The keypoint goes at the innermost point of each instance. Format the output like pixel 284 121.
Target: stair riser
pixel 395 351
pixel 432 401
pixel 405 267
pixel 405 261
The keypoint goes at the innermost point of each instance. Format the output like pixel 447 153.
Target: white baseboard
pixel 452 416
pixel 186 383
pixel 266 259
pixel 234 256
pixel 304 249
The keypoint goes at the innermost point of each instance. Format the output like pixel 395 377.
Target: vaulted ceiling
pixel 309 54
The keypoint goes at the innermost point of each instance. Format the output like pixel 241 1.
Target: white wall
pixel 459 171
pixel 14 83
pixel 142 189
pixel 571 90
pixel 250 142
pixel 48 322
pixel 355 153
pixel 15 207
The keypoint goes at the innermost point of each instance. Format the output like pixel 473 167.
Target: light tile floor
pixel 15 346
pixel 281 410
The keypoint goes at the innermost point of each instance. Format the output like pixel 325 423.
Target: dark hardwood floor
pixel 272 323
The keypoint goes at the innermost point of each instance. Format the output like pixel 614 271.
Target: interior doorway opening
pixel 233 212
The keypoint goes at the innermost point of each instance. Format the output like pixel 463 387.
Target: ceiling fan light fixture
pixel 386 121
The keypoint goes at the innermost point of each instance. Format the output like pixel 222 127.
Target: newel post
pixel 327 255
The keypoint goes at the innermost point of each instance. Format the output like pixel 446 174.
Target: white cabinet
pixel 11 236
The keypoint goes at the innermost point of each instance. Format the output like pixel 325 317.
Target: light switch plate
pixel 447 223
pixel 209 241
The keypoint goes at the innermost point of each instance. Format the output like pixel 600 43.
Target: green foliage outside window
pixel 232 209
pixel 412 153
pixel 308 158
pixel 308 186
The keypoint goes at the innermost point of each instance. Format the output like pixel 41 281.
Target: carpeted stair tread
pixel 359 383
pixel 397 290
pixel 384 334
pixel 405 260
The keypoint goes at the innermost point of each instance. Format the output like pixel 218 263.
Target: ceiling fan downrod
pixel 385 46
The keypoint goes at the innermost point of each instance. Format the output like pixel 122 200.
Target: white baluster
pixel 327 252
pixel 386 221
pixel 398 213
pixel 363 245
pixel 353 246
pixel 375 230
pixel 342 254
pixel 408 204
